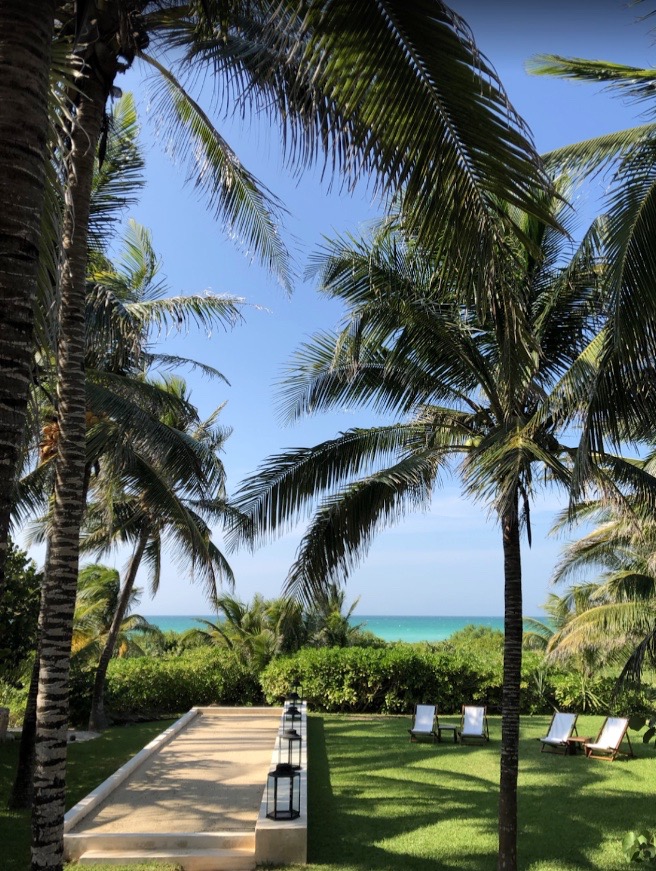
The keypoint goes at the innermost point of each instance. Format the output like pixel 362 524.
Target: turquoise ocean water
pixel 409 629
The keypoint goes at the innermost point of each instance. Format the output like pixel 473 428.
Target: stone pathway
pixel 210 777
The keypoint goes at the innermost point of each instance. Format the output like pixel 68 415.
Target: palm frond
pixel 251 212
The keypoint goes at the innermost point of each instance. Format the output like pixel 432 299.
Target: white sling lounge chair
pixel 560 731
pixel 609 740
pixel 473 725
pixel 424 724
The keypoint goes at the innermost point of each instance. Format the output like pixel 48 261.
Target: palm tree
pixel 331 625
pixel 488 390
pixel 629 343
pixel 97 598
pixel 245 628
pixel 26 32
pixel 400 53
pixel 122 306
pixel 156 506
pixel 614 616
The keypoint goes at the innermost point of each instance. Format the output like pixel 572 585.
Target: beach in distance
pixel 389 628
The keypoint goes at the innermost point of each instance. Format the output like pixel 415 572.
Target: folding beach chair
pixel 424 724
pixel 473 725
pixel 561 728
pixel 609 740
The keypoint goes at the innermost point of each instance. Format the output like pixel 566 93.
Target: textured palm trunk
pixel 97 718
pixel 60 583
pixel 22 791
pixel 512 669
pixel 26 31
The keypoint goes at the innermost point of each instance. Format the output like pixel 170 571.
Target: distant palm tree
pixel 245 629
pixel 616 618
pixel 492 390
pixel 145 501
pixel 331 625
pixel 95 606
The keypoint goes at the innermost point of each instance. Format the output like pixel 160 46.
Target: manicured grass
pixel 89 763
pixel 378 802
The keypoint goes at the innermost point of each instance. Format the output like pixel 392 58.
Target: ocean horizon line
pixel 411 628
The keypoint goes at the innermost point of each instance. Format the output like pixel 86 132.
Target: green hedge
pixel 356 679
pixel 145 687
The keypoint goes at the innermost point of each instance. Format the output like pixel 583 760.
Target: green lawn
pixel 379 803
pixel 89 763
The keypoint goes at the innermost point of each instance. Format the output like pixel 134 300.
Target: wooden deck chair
pixel 424 724
pixel 473 725
pixel 561 728
pixel 609 740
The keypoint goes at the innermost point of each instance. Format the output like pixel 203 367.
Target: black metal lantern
pixel 291 717
pixel 289 748
pixel 283 793
pixel 296 695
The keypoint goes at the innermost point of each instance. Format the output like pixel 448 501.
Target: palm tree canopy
pixel 614 611
pixel 467 385
pixel 620 406
pixel 425 120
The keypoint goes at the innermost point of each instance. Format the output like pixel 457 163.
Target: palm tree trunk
pixel 26 32
pixel 512 670
pixel 22 790
pixel 97 718
pixel 60 584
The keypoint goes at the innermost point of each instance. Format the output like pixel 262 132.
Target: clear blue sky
pixel 448 561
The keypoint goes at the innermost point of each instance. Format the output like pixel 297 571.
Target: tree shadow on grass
pixel 420 806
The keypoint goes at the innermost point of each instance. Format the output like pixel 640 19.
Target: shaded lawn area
pixel 378 802
pixel 89 763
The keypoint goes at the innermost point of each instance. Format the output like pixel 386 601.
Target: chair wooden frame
pixel 485 732
pixel 610 752
pixel 424 722
pixel 558 744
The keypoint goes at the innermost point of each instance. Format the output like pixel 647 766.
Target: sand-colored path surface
pixel 210 777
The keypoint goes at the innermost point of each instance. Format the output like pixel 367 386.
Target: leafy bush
pixel 144 687
pixel 386 680
pixel 15 699
pixel 640 847
pixel 576 691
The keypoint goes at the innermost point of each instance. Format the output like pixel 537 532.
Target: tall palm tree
pixel 490 391
pixel 397 53
pixel 130 302
pixel 154 506
pixel 26 33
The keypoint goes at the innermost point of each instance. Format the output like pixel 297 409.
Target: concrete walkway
pixel 208 778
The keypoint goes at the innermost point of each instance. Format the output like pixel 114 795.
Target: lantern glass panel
pixel 289 748
pixel 283 793
pixel 292 718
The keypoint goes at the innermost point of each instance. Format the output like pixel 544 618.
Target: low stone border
pixel 284 842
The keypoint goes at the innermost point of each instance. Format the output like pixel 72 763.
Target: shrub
pixel 388 681
pixel 15 699
pixel 145 687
